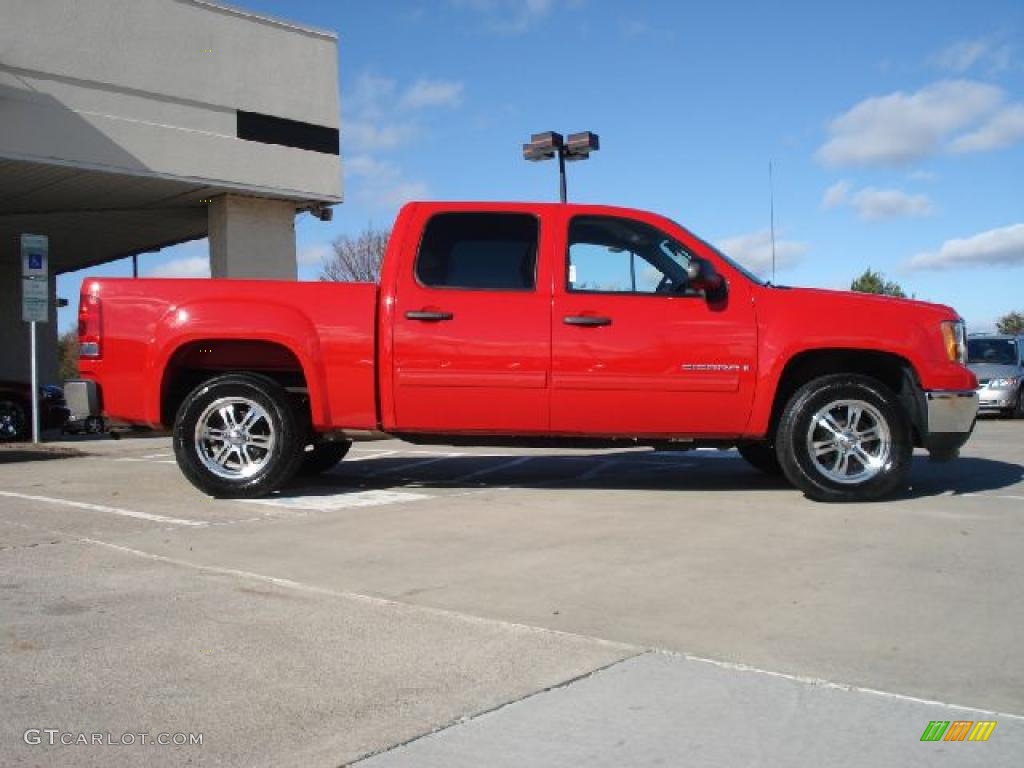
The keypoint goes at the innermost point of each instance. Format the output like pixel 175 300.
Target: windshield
pixel 998 351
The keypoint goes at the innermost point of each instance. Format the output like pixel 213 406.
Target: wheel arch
pixel 198 360
pixel 894 371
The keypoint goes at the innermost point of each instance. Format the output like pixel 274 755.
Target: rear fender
pixel 236 320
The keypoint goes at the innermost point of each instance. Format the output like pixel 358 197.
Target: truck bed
pixel 325 329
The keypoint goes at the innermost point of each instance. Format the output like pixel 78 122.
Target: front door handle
pixel 428 316
pixel 590 321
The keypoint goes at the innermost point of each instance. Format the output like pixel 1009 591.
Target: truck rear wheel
pixel 761 456
pixel 238 436
pixel 845 438
pixel 323 456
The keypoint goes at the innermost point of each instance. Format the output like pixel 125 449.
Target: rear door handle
pixel 428 316
pixel 586 320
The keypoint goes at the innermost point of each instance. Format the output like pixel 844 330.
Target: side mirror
pixel 703 277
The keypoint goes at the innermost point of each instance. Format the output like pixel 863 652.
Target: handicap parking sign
pixel 34 252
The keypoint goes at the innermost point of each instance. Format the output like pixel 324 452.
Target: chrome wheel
pixel 12 420
pixel 849 441
pixel 234 438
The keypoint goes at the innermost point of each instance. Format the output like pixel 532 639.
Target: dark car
pixel 16 409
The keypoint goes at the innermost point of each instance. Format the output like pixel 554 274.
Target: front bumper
pixel 950 417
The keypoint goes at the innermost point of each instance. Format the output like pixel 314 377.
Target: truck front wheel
pixel 845 438
pixel 238 436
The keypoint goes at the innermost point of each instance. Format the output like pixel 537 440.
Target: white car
pixel 998 362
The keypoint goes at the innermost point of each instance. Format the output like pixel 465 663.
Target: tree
pixel 356 259
pixel 67 355
pixel 1011 323
pixel 875 282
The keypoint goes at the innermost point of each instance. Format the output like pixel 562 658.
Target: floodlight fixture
pixel 550 144
pixel 543 146
pixel 580 145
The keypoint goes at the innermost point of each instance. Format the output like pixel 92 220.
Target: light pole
pixel 545 146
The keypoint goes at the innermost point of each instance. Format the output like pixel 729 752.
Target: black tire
pixel 831 395
pixel 323 456
pixel 14 423
pixel 761 456
pixel 272 443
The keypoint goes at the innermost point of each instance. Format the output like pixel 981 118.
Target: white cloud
pixel 369 94
pixel 313 254
pixel 835 195
pixel 995 247
pixel 432 93
pixel 509 17
pixel 379 117
pixel 187 266
pixel 899 128
pixel 384 117
pixel 382 184
pixel 871 204
pixel 754 251
pixel 961 56
pixel 964 55
pixel 1006 127
pixel 636 28
pixel 370 136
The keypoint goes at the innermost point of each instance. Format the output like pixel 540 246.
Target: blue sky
pixel 896 130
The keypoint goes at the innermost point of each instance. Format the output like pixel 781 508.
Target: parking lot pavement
pixel 658 709
pixel 414 586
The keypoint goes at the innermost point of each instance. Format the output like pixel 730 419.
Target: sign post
pixel 35 304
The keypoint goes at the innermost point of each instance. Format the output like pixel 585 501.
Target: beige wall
pixel 252 238
pixel 150 87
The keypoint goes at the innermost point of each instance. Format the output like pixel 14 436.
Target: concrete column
pixel 14 333
pixel 252 237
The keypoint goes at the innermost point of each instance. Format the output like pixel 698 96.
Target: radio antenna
pixel 771 214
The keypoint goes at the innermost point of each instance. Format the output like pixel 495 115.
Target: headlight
pixel 954 338
pixel 1010 383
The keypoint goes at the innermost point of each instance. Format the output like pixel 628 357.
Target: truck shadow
pixel 719 471
pixel 966 475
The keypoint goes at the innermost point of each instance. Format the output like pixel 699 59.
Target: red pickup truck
pixel 529 324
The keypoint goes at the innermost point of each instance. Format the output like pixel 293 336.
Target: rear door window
pixel 479 251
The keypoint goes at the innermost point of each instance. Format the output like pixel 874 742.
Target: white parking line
pixel 375 455
pixel 992 496
pixel 146 460
pixel 488 470
pixel 414 463
pixel 336 501
pixel 104 508
pixel 597 469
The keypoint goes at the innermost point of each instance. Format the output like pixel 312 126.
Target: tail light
pixel 90 325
